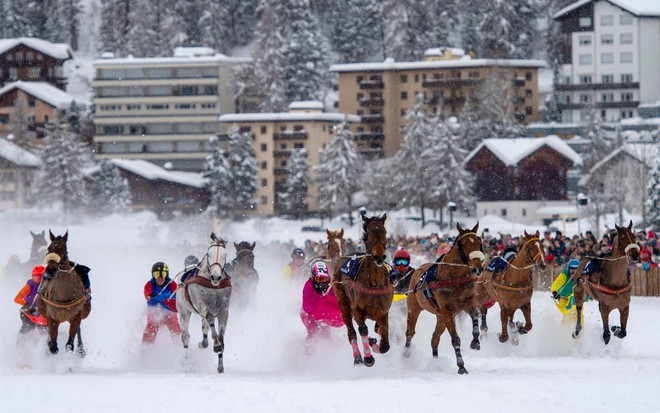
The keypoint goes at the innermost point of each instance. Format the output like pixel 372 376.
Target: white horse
pixel 207 294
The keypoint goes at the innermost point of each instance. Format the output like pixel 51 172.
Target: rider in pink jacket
pixel 320 309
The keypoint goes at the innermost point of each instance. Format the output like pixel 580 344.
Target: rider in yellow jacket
pixel 562 289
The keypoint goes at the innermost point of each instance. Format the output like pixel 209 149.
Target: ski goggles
pixel 402 261
pixel 322 278
pixel 160 274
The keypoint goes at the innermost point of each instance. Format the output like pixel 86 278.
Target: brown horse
pixel 369 294
pixel 513 287
pixel 450 291
pixel 62 295
pixel 609 284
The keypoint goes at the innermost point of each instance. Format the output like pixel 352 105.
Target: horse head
pixel 244 256
pixel 532 250
pixel 57 251
pixel 626 243
pixel 470 248
pixel 215 260
pixel 39 244
pixel 375 238
pixel 336 244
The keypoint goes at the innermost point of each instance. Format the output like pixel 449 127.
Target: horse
pixel 513 287
pixel 448 291
pixel 368 295
pixel 610 284
pixel 38 248
pixel 207 294
pixel 242 272
pixel 62 295
pixel 335 250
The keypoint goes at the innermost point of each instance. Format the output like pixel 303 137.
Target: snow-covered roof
pixel 550 210
pixel 439 51
pixel 42 91
pixel 306 104
pixel 435 64
pixel 647 153
pixel 17 155
pixel 640 121
pixel 154 172
pixel 288 117
pixel 157 61
pixel 512 151
pixel 193 51
pixel 60 51
pixel 650 8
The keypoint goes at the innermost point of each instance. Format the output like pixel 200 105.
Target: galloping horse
pixel 242 272
pixel 207 294
pixel 367 295
pixel 447 291
pixel 62 296
pixel 610 285
pixel 39 246
pixel 513 287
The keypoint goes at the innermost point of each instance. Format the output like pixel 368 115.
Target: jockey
pixel 294 269
pixel 190 268
pixel 26 298
pixel 320 309
pixel 402 271
pixel 562 288
pixel 161 304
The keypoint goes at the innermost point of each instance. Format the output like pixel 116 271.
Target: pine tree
pixel 115 26
pixel 604 139
pixel 294 197
pixel 60 177
pixel 471 16
pixel 243 167
pixel 111 193
pixel 218 178
pixel 355 29
pixel 497 107
pixel 508 29
pixel 338 168
pixel 653 199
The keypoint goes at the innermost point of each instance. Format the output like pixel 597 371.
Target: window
pixel 607 97
pixel 264 200
pixel 585 98
pixel 626 38
pixel 32 103
pixel 585 40
pixel 34 72
pixel 264 164
pixel 528 76
pixel 29 56
pixel 524 212
pixel 528 110
pixel 585 79
pixel 359 79
pixel 567 80
pixel 625 19
pixel 416 78
pixel 626 57
pixel 187 146
pixel 404 78
pixel 606 20
pixel 13 73
pixel 298 145
pixel 585 21
pixel 210 90
pixel 31 119
pixel 607 78
pixel 19 56
pixel 626 97
pixel 626 78
pixel 603 114
pixel 606 58
pixel 404 95
pixel 607 39
pixel 528 93
pixel 262 129
pixel 585 59
pixel 503 212
pixel 264 182
pixel 585 115
pixel 264 147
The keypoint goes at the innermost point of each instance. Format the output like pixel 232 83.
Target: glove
pixel 30 309
pixel 555 295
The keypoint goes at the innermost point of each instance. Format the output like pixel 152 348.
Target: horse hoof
pixel 369 361
pixel 606 339
pixel 372 341
pixel 54 350
pixel 406 352
pixel 576 334
pixel 81 352
pixel 203 344
pixel 462 370
pixel 383 348
pixel 357 360
pixel 475 345
pixel 221 365
pixel 217 349
pixel 69 347
pixel 503 338
pixel 434 351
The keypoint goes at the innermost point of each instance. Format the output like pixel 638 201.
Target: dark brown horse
pixel 513 287
pixel 62 295
pixel 450 291
pixel 609 284
pixel 369 294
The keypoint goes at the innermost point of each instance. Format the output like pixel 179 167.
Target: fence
pixel 644 283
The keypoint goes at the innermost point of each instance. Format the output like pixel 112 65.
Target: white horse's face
pixel 216 258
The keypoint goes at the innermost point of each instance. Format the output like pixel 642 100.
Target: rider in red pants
pixel 161 304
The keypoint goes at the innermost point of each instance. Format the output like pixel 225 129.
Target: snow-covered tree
pixel 471 16
pixel 63 157
pixel 294 196
pixel 115 26
pixel 111 191
pixel 243 167
pixel 496 106
pixel 653 200
pixel 507 29
pixel 355 29
pixel 337 172
pixel 604 138
pixel 218 178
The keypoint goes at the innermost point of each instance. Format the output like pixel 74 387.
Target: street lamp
pixel 580 200
pixel 451 206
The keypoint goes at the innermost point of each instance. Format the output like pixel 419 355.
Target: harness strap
pixel 511 287
pixel 363 289
pixel 61 305
pixel 204 282
pixel 610 291
pixel 452 282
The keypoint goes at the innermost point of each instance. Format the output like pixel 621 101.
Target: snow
pixel 153 172
pixel 60 51
pixel 266 368
pixel 435 64
pixel 155 61
pixel 289 117
pixel 17 155
pixel 42 91
pixel 636 7
pixel 512 151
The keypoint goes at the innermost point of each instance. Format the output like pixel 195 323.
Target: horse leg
pixel 505 314
pixel 579 295
pixel 623 316
pixel 74 325
pixel 53 325
pixel 484 312
pixel 437 333
pixel 81 350
pixel 605 316
pixel 474 315
pixel 205 333
pixel 384 331
pixel 360 319
pixel 219 339
pixel 527 313
pixel 455 341
pixel 184 322
pixel 414 310
pixel 347 317
pixel 513 328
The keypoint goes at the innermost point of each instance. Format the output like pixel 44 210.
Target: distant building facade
pixel 610 58
pixel 33 60
pixel 275 136
pixel 382 93
pixel 17 172
pixel 163 109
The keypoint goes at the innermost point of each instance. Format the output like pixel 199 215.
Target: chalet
pixel 17 170
pixel 26 107
pixel 33 60
pixel 516 177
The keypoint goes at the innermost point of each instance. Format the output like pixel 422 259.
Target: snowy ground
pixel 266 368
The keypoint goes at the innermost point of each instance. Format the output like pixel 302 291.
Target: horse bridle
pixel 539 248
pixel 474 254
pixel 630 246
pixel 370 247
pixel 210 266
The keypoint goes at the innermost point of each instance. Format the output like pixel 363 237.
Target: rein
pixel 363 289
pixel 65 306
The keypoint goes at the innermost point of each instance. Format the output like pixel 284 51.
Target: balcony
pixel 280 171
pixel 371 84
pixel 370 136
pixel 373 119
pixel 292 136
pixel 372 102
pixel 596 86
pixel 519 81
pixel 450 81
pixel 603 105
pixel 281 154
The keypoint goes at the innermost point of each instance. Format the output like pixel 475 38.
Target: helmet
pixel 160 270
pixel 401 259
pixel 401 254
pixel 190 260
pixel 297 252
pixel 320 276
pixel 573 264
pixel 37 273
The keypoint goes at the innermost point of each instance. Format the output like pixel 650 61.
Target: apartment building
pixel 610 58
pixel 382 93
pixel 33 60
pixel 276 135
pixel 163 109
